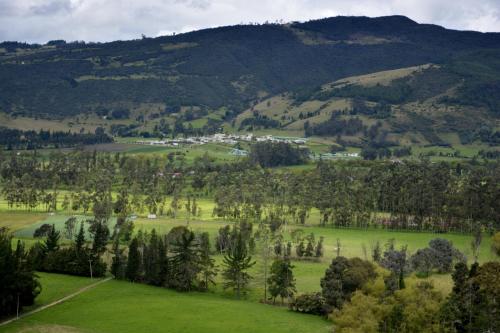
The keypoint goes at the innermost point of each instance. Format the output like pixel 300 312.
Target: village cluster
pixel 230 139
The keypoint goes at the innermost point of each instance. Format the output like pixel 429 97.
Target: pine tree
pixel 185 262
pixel 133 271
pixel 164 263
pixel 118 261
pixel 152 261
pixel 52 242
pixel 236 262
pixel 101 234
pixel 80 239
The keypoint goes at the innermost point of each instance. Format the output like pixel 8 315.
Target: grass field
pixel 354 243
pixel 124 307
pixel 56 286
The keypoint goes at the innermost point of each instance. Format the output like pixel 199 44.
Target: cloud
pixel 52 7
pixel 97 20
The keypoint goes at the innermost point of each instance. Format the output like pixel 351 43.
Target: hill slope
pixel 214 75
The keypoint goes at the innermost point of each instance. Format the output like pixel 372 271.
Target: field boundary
pixel 59 301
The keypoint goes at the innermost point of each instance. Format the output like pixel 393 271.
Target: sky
pixel 38 21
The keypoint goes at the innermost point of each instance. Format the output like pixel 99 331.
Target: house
pixel 152 216
pixel 239 152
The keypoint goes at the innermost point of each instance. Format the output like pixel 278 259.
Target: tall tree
pixel 236 263
pixel 185 261
pixel 281 282
pixel 134 262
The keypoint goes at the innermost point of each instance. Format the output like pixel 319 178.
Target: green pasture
pixel 123 307
pixel 57 286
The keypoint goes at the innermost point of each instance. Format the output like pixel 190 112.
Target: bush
pixel 312 303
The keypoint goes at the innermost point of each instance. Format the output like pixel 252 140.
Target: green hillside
pixel 383 81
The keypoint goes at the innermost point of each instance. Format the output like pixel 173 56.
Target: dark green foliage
pixel 18 139
pixel 151 260
pixel 51 243
pixel 444 254
pixel 397 262
pixel 185 262
pixel 207 264
pixel 281 281
pixel 133 272
pixel 275 154
pixel 343 277
pixel 18 281
pixel 473 303
pixel 100 233
pixel 337 126
pixel 118 262
pixel 80 239
pixel 423 261
pixel 236 263
pixel 42 231
pixel 312 303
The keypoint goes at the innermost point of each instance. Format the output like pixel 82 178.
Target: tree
pixel 300 249
pixel 444 254
pixel 42 231
pixel 495 243
pixel 118 262
pixel 80 239
pixel 377 252
pixel 69 227
pixel 185 261
pixel 133 272
pixel 18 282
pixel 236 263
pixel 281 281
pixel 423 261
pixel 476 243
pixel 151 260
pixel 100 233
pixel 52 242
pixel 343 277
pixel 318 252
pixel 208 269
pixel 488 278
pixel 396 261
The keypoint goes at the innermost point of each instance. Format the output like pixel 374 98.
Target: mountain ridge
pixel 216 74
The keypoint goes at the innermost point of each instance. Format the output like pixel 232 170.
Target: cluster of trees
pixel 258 121
pixel 360 296
pixel 182 260
pixel 269 154
pixel 19 285
pixel 334 126
pixel 416 195
pixel 19 139
pixel 76 259
pixel 472 305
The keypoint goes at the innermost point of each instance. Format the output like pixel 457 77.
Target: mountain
pixel 360 72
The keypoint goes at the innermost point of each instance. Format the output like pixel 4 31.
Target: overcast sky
pixel 106 20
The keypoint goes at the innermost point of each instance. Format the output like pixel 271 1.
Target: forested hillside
pixel 217 74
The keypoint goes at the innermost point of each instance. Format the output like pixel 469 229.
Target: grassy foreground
pixel 123 307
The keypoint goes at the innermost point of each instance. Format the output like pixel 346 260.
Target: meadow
pixel 117 306
pixel 353 243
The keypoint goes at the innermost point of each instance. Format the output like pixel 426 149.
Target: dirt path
pixel 65 298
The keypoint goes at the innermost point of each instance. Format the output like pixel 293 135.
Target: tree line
pixel 29 140
pixel 410 195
